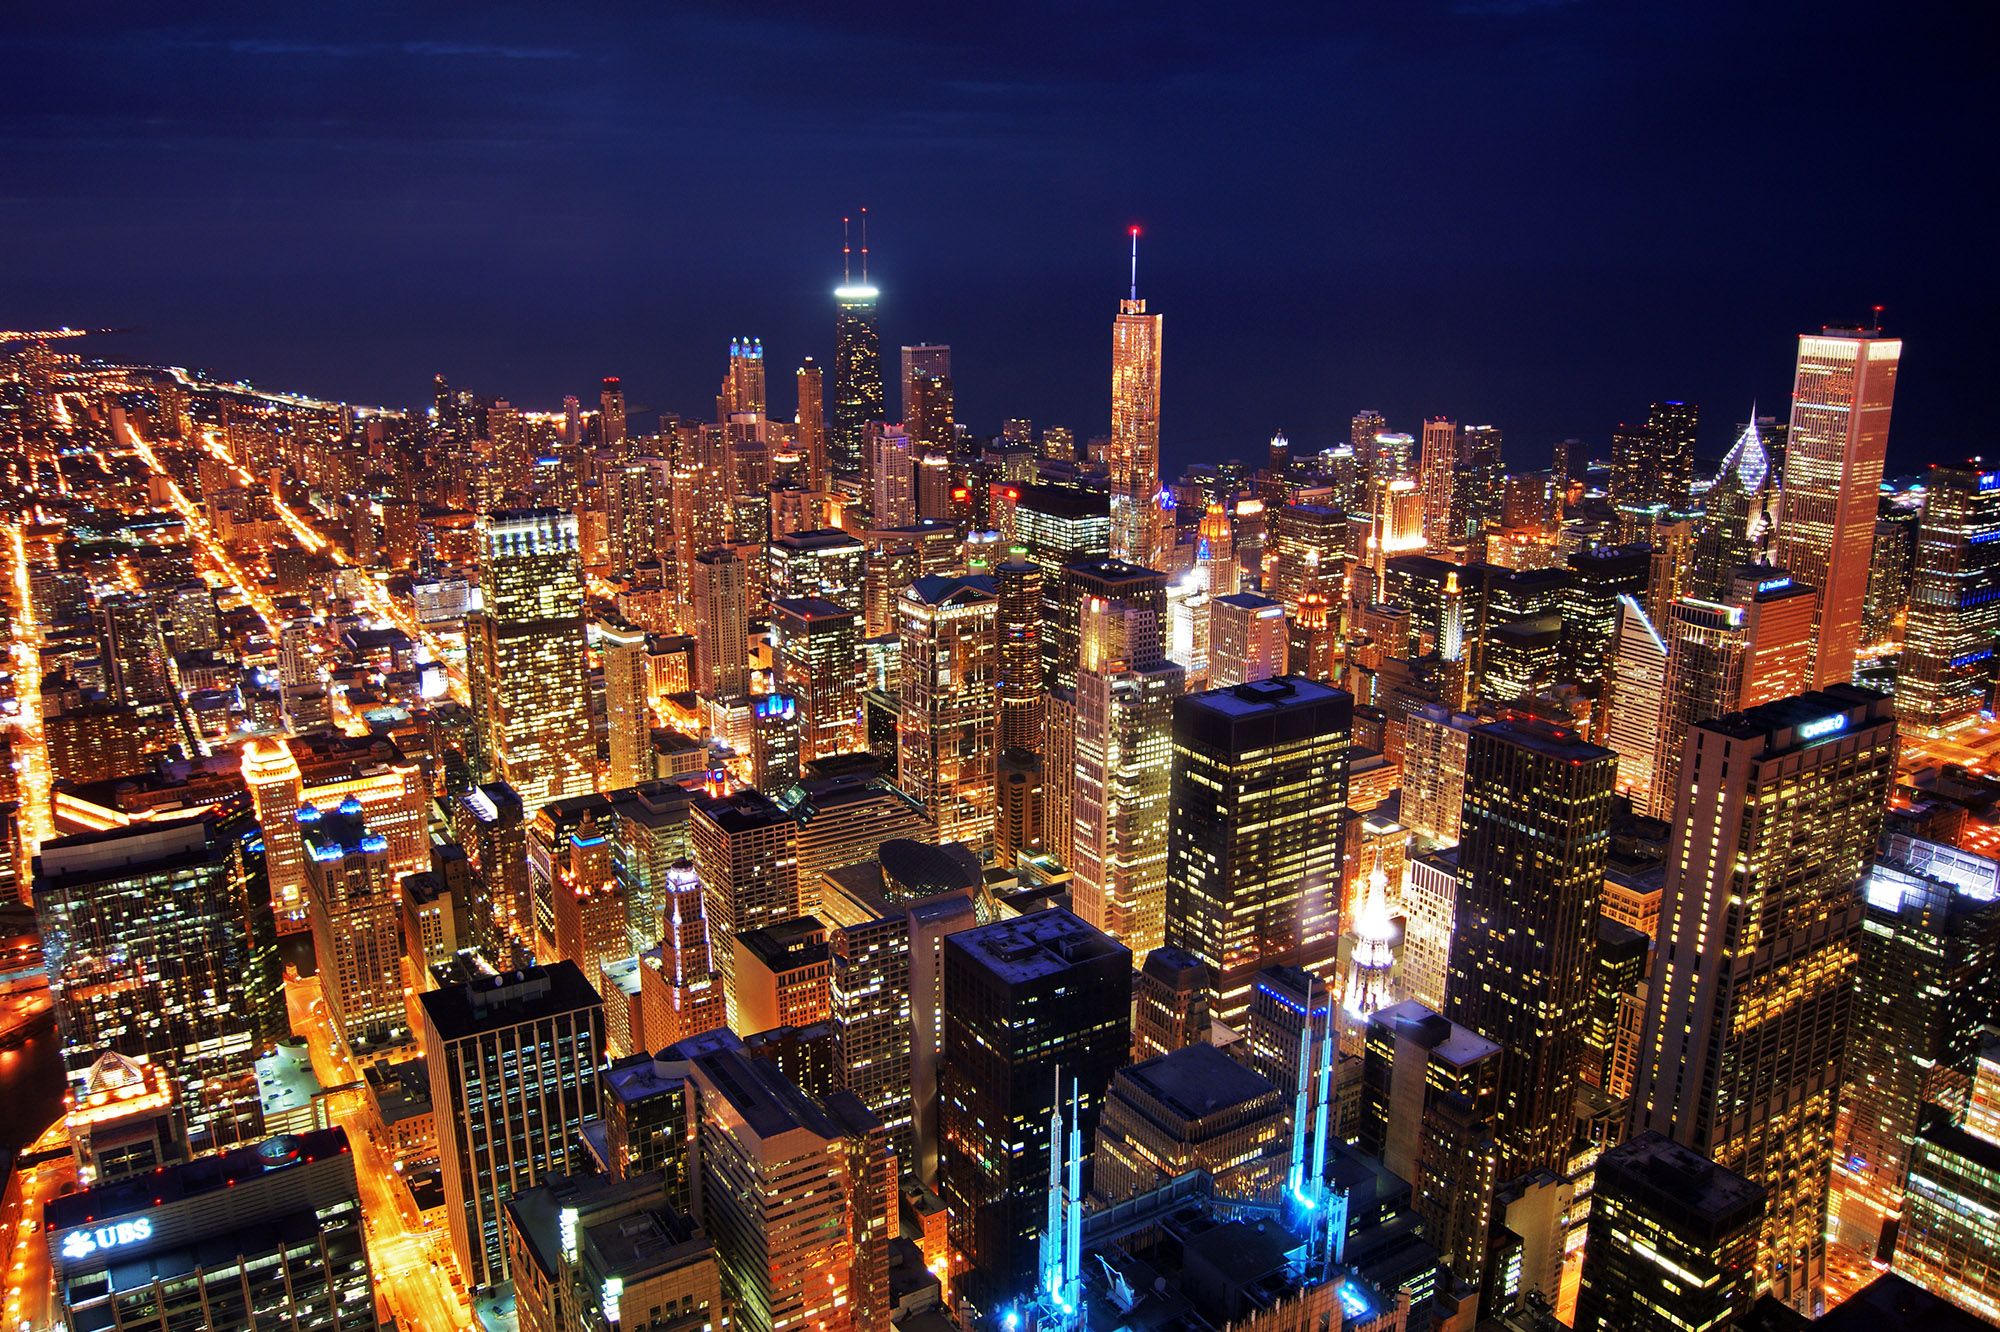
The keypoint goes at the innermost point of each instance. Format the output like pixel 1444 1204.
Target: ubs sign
pixel 80 1244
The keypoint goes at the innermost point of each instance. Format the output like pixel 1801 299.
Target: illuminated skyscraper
pixel 927 361
pixel 857 368
pixel 1537 827
pixel 1949 1231
pixel 721 625
pixel 1021 697
pixel 747 852
pixel 1652 465
pixel 1215 554
pixel 1841 397
pixel 526 650
pixel 1437 465
pixel 629 760
pixel 1137 534
pixel 1125 693
pixel 1946 674
pixel 826 562
pixel 1254 853
pixel 812 423
pixel 945 728
pixel 611 415
pixel 1247 639
pixel 892 475
pixel 275 783
pixel 1930 941
pixel 1748 1004
pixel 819 663
pixel 357 928
pixel 1636 698
pixel 743 391
pixel 160 947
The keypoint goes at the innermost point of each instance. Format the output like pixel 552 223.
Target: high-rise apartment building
pixel 1437 464
pixel 1930 941
pixel 1247 639
pixel 1751 990
pixel 1435 741
pixel 1842 393
pixel 628 714
pixel 857 372
pixel 1080 583
pixel 1037 1012
pixel 892 475
pixel 819 663
pixel 1019 692
pixel 276 786
pixel 721 625
pixel 160 947
pixel 513 1060
pixel 526 651
pixel 800 1196
pixel 1536 829
pixel 1945 678
pixel 357 927
pixel 1672 1242
pixel 945 727
pixel 1254 856
pixel 1137 532
pixel 811 423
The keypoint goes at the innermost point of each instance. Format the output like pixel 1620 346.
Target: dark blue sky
pixel 1541 215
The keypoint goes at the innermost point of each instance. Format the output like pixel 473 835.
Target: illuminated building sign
pixel 80 1244
pixel 1825 726
pixel 1773 584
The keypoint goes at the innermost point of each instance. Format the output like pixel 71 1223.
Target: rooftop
pixel 1196 1081
pixel 1687 1181
pixel 194 1178
pixel 1043 943
pixel 511 997
pixel 1445 1039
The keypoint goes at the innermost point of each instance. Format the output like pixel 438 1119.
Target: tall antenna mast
pixel 846 269
pixel 864 247
pixel 1135 263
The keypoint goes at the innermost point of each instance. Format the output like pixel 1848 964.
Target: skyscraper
pixel 892 475
pixel 1635 698
pixel 629 756
pixel 812 423
pixel 160 947
pixel 1673 1242
pixel 611 415
pixel 1652 465
pixel 819 662
pixel 1775 815
pixel 1537 827
pixel 747 852
pixel 1841 396
pixel 357 928
pixel 526 650
pixel 857 369
pixel 1247 639
pixel 1253 858
pixel 944 731
pixel 721 600
pixel 513 1063
pixel 1137 534
pixel 1020 694
pixel 1946 675
pixel 743 391
pixel 1034 1006
pixel 1929 943
pixel 1949 1234
pixel 1437 464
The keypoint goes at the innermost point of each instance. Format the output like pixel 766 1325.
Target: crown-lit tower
pixel 1136 528
pixel 857 360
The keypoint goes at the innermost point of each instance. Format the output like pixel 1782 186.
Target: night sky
pixel 1539 215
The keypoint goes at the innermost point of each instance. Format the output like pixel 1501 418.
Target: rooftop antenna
pixel 1135 263
pixel 864 247
pixel 1878 319
pixel 846 268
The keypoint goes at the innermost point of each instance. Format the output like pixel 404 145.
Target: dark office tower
pixel 1034 1007
pixel 857 373
pixel 1673 1242
pixel 161 947
pixel 1673 426
pixel 1930 942
pixel 1946 675
pixel 263 1236
pixel 1760 921
pixel 1361 434
pixel 494 829
pixel 1171 1004
pixel 135 648
pixel 923 361
pixel 1623 955
pixel 1591 609
pixel 1022 697
pixel 1537 827
pixel 1253 844
pixel 611 416
pixel 1476 490
pixel 525 650
pixel 1889 570
pixel 513 1063
pixel 812 423
pixel 1115 583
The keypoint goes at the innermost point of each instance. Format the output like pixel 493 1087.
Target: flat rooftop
pixel 1042 943
pixel 1197 1081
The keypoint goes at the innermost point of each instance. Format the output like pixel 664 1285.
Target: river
pixel 31 1085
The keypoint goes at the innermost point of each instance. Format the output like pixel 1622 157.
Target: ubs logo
pixel 82 1243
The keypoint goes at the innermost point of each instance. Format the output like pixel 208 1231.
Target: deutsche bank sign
pixel 79 1244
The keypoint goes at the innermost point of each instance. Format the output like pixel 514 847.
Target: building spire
pixel 864 247
pixel 1135 263
pixel 846 265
